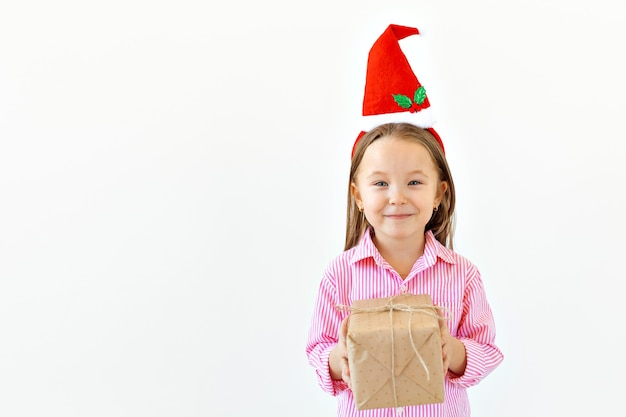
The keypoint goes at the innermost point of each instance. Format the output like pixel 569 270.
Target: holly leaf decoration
pixel 420 95
pixel 403 101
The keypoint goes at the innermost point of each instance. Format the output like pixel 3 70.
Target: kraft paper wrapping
pixel 417 375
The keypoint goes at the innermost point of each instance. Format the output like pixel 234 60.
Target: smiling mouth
pixel 398 216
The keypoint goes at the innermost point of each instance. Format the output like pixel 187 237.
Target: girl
pixel 399 240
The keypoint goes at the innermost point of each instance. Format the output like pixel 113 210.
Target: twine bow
pixel 392 306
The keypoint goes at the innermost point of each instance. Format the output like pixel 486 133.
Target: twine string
pixel 393 356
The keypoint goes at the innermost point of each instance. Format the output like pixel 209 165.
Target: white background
pixel 173 179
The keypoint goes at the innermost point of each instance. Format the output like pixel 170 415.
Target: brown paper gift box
pixel 370 352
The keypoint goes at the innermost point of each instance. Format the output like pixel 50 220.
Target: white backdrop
pixel 173 180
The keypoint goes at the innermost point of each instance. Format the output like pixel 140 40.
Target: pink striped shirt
pixel 451 280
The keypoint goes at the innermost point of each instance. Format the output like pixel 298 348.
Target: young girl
pixel 399 240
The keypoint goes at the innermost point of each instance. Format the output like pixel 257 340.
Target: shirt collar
pixel 432 250
pixel 366 249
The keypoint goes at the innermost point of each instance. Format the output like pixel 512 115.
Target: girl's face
pixel 398 185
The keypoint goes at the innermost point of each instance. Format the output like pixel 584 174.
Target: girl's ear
pixel 441 191
pixel 356 195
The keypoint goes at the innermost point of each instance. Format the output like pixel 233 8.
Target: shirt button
pixel 403 289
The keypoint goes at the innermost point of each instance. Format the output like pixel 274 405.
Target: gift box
pixel 394 352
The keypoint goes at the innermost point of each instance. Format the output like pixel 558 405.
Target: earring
pixel 436 209
pixel 361 209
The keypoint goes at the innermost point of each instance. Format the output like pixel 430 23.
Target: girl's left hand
pixel 445 341
pixel 452 349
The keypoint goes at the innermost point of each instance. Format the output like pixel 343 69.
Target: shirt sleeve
pixel 477 332
pixel 323 336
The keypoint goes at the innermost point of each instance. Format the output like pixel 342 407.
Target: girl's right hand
pixel 338 361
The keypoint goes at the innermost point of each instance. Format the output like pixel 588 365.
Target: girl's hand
pixel 338 360
pixel 452 349
pixel 343 335
pixel 445 342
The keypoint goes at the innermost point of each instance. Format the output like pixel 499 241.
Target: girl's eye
pixel 414 182
pixel 380 183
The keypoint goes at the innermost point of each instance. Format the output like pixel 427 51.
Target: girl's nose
pixel 396 197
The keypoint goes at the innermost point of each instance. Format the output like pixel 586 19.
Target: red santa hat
pixel 392 91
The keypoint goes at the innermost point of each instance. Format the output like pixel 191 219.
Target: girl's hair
pixel 442 222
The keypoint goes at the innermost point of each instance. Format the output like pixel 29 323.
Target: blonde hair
pixel 442 222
